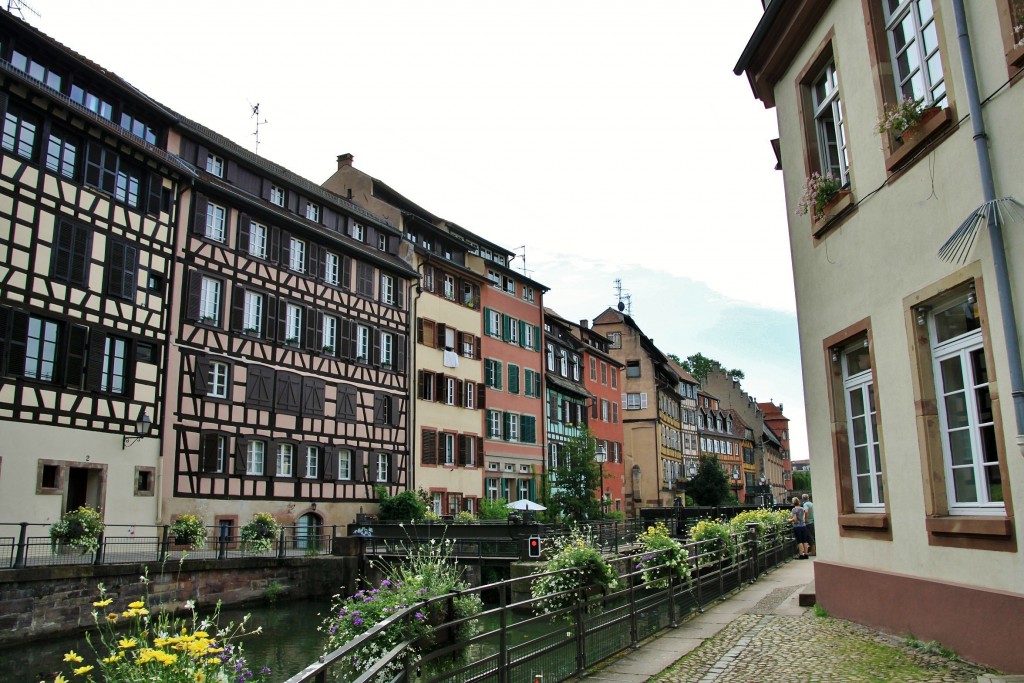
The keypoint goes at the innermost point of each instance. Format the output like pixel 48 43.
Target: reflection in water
pixel 288 644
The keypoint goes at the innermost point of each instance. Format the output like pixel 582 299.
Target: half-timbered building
pixel 448 444
pixel 289 362
pixel 565 394
pixel 87 216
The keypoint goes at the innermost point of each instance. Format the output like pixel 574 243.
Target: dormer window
pixel 215 165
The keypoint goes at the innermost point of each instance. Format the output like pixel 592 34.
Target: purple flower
pixel 334 629
pixel 265 670
pixel 385 583
pixel 419 615
pixel 357 621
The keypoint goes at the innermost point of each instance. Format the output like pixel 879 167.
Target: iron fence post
pixel 165 541
pixel 19 558
pixel 280 544
pixel 222 547
pixel 755 553
pixel 99 549
pixel 672 598
pixel 581 660
pixel 502 636
pixel 634 628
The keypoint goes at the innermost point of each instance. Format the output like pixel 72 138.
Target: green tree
pixel 709 486
pixel 406 506
pixel 493 509
pixel 700 366
pixel 576 478
pixel 802 481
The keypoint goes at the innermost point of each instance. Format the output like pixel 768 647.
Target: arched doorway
pixel 308 532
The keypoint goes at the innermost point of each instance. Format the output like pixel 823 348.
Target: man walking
pixel 809 516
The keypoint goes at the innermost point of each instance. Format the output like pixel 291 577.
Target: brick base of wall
pixel 42 602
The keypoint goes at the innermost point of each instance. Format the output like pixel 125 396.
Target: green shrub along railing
pixel 515 639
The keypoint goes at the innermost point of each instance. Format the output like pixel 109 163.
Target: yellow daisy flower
pixel 83 670
pixel 60 679
pixel 126 643
pixel 73 657
pixel 137 604
pixel 103 603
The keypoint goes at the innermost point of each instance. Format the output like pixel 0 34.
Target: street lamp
pixel 142 425
pixel 601 456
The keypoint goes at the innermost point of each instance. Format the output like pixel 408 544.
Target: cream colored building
pixel 907 374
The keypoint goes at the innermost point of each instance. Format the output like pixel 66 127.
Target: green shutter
pixel 527 382
pixel 497 374
pixel 506 326
pixel 513 379
pixel 487 321
pixel 506 425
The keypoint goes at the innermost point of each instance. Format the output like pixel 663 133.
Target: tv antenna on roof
pixel 20 5
pixel 522 268
pixel 625 299
pixel 256 113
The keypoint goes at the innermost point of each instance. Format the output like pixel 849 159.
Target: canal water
pixel 289 643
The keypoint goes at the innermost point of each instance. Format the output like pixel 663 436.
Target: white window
pixel 449 390
pixel 470 395
pixel 209 301
pixel 359 232
pixel 215 165
pixel 605 410
pixel 313 212
pixel 563 362
pixel 312 462
pixel 528 333
pixel 252 314
pixel 495 322
pixel 332 269
pixel 448 448
pixel 524 489
pixel 216 219
pixel 966 417
pixel 492 488
pixel 383 467
pixel 435 499
pixel 344 464
pixel 615 339
pixel 114 353
pixel 449 287
pixel 382 242
pixel 258 240
pixel 222 453
pixel 636 401
pixel 292 323
pixel 362 343
pixel 494 424
pixel 829 125
pixel 528 293
pixel 277 195
pixel 513 427
pixel 494 277
pixel 575 367
pixel 551 357
pixel 254 452
pixel 297 255
pixel 387 289
pixel 285 459
pixel 218 387
pixel 861 426
pixel 914 46
pixel 387 345
pixel 508 284
pixel 329 335
pixel 513 331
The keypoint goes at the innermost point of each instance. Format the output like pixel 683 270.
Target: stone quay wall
pixel 43 602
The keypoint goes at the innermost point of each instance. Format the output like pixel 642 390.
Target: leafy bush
pixel 715 540
pixel 576 565
pixel 771 525
pixel 426 572
pixel 662 557
pixel 189 530
pixel 135 646
pixel 493 509
pixel 615 515
pixel 79 528
pixel 465 517
pixel 407 506
pixel 259 534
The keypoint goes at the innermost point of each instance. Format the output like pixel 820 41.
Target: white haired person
pixel 809 509
pixel 799 520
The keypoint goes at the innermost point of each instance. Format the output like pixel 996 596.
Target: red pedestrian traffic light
pixel 533 546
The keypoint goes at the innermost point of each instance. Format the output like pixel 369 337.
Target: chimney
pixel 344 160
pixel 584 323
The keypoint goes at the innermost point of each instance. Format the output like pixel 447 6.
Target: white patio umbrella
pixel 523 504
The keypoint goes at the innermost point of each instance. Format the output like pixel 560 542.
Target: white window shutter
pixel 643 400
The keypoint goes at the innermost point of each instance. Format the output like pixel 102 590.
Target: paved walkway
pixel 762 635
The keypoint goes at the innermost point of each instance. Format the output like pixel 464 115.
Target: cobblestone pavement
pixel 763 647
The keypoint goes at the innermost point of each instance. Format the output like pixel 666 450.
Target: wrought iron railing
pixel 516 641
pixel 29 545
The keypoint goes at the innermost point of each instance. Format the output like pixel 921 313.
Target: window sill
pixel 974 532
pixel 909 151
pixel 1015 58
pixel 840 207
pixel 864 520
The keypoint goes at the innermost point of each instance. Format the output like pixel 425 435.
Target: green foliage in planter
pixel 79 528
pixel 771 524
pixel 465 517
pixel 715 539
pixel 426 571
pixel 407 506
pixel 900 116
pixel 662 557
pixel 189 530
pixel 819 191
pixel 493 509
pixel 576 565
pixel 259 534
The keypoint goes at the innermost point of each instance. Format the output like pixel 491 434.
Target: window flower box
pixel 837 206
pixel 911 142
pixel 292 341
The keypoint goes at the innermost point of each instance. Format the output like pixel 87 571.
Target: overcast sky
pixel 603 139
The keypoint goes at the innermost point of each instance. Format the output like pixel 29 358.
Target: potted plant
pixel 904 118
pixel 251 330
pixel 79 528
pixel 575 566
pixel 328 349
pixel 820 190
pixel 189 530
pixel 292 341
pixel 258 535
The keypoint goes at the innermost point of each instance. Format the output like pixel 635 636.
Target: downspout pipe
pixel 995 230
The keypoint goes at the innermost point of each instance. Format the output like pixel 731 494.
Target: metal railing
pixel 516 641
pixel 29 545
